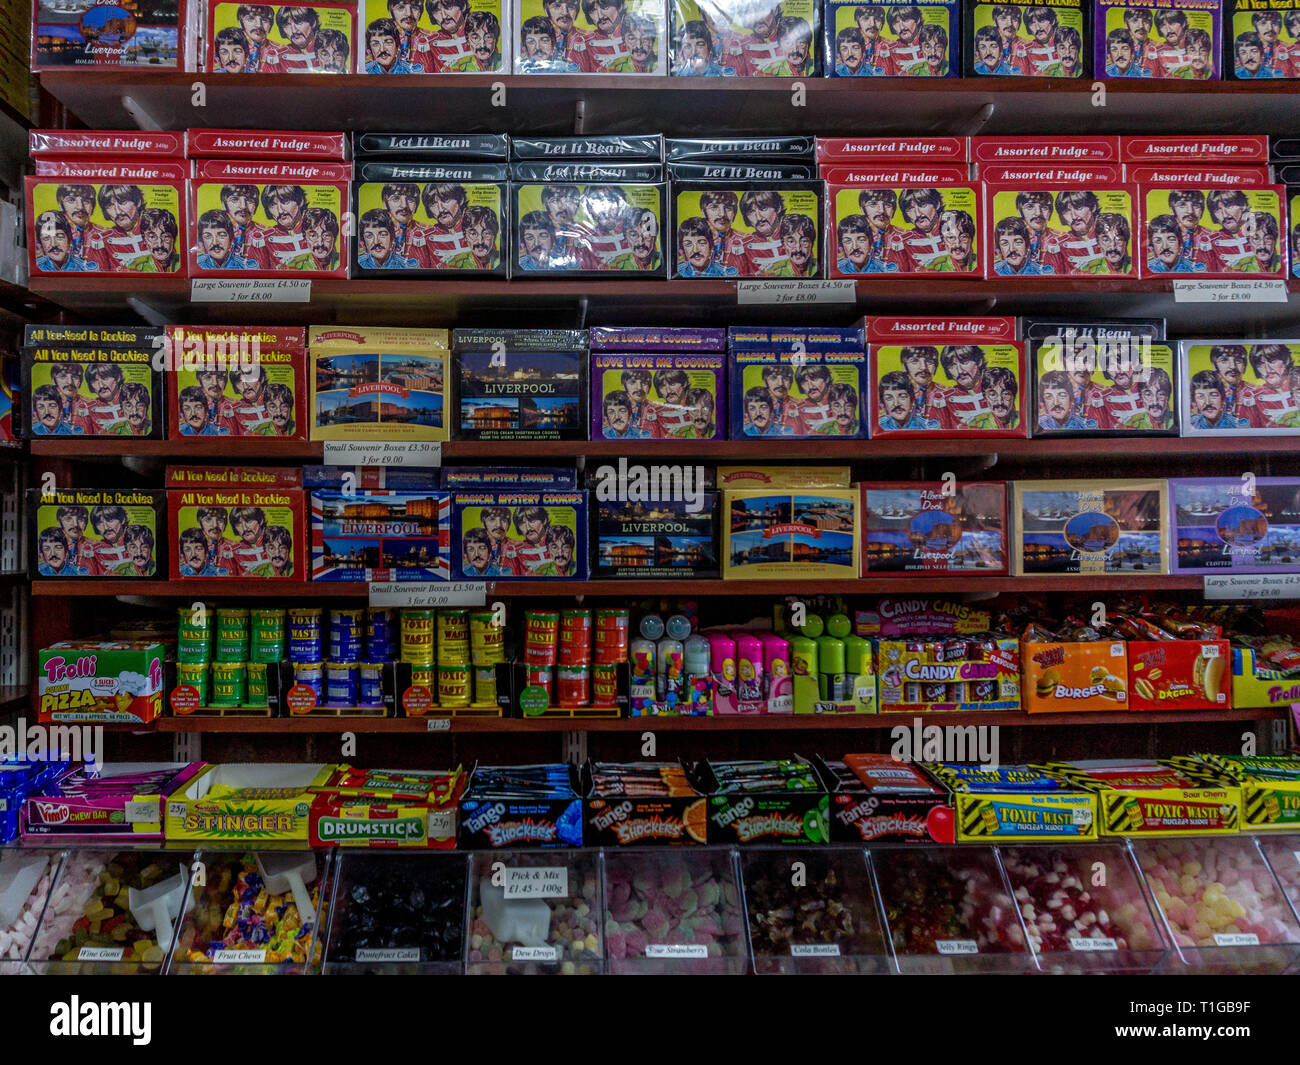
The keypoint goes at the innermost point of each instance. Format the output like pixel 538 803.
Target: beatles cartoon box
pixel 1090 527
pixel 941 376
pixel 520 384
pixel 657 396
pixel 1041 39
pixel 96 533
pixel 116 33
pixel 590 37
pixel 237 532
pixel 597 230
pixel 1240 389
pixel 434 36
pixel 893 39
pixel 1222 232
pixel 745 38
pixel 1243 524
pixel 1261 39
pixel 929 527
pixel 766 229
pixel 1054 231
pixel 1084 386
pixel 1157 39
pixel 93 390
pixel 257 217
pixel 280 38
pixel 519 535
pixel 237 381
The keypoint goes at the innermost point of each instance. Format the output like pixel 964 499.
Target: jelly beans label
pixel 676 950
pixel 814 950
pixel 141 811
pixel 956 946
pixel 540 882
pixel 238 957
pixel 534 953
pixel 396 954
pixel 1077 943
pixel 1236 939
pixel 101 954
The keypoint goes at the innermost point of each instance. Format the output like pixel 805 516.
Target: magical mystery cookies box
pixel 1090 527
pixel 100 682
pixel 928 527
pixel 237 533
pixel 893 39
pixel 519 535
pixel 93 532
pixel 237 381
pixel 1234 524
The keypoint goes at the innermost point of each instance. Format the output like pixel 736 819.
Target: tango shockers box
pixel 658 396
pixel 1090 527
pixel 263 803
pixel 520 384
pixel 933 527
pixel 1063 677
pixel 1157 39
pixel 237 381
pixel 280 38
pixel 380 536
pixel 932 375
pixel 1015 802
pixel 1036 226
pixel 892 39
pixel 378 383
pixel 93 215
pixel 1230 388
pixel 1179 675
pixel 588 229
pixel 1048 39
pixel 442 38
pixel 237 532
pixel 96 533
pixel 756 229
pixel 268 216
pixel 1236 524
pixel 93 389
pixel 630 38
pixel 1213 232
pixel 875 799
pixel 125 34
pixel 1152 798
pixel 745 38
pixel 1089 387
pixel 519 535
pixel 1261 39
pixel 789 533
pixel 100 682
pixel 1270 788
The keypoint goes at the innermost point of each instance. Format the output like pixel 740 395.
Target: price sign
pixel 1085 943
pixel 956 946
pixel 534 953
pixel 538 882
pixel 422 595
pixel 383 453
pixel 814 950
pixel 1263 290
pixel 1252 586
pixel 406 954
pixel 676 950
pixel 789 293
pixel 250 290
pixel 140 811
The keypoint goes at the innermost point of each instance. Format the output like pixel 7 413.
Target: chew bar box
pixel 520 384
pixel 901 206
pixel 106 201
pixel 125 805
pixel 96 532
pixel 1261 39
pixel 267 202
pixel 658 384
pixel 1089 527
pixel 1084 386
pixel 629 40
pixel 473 38
pixel 376 383
pixel 1231 388
pixel 1056 207
pixel 279 38
pixel 1235 524
pixel 930 527
pixel 585 222
pixel 741 38
pixel 1157 39
pixel 431 204
pixel 804 383
pixel 159 36
pixel 946 375
pixel 93 381
pixel 893 39
pixel 243 529
pixel 237 381
pixel 1041 40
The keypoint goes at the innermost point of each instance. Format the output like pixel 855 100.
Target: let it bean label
pixel 541 882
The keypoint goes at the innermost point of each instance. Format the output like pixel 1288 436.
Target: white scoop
pixel 156 908
pixel 19 875
pixel 523 921
pixel 289 871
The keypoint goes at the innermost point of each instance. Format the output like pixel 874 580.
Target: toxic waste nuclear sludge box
pixel 1088 527
pixel 100 682
pixel 925 527
pixel 1270 787
pixel 96 532
pixel 238 533
pixel 1015 802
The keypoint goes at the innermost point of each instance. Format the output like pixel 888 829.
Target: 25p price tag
pixel 1262 290
pixel 383 453
pixel 250 290
pixel 789 293
pixel 424 595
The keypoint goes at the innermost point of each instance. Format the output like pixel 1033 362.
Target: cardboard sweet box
pixel 1015 802
pixel 386 809
pixel 243 803
pixel 1066 677
pixel 931 526
pixel 1270 787
pixel 876 799
pixel 120 803
pixel 1060 221
pixel 760 804
pixel 100 682
pixel 1235 524
pixel 1084 527
pixel 85 533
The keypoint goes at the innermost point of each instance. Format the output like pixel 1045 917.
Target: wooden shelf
pixel 918 585
pixel 528 302
pixel 549 104
pixel 725 723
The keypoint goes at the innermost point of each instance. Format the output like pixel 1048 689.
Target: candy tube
pixel 749 666
pixel 722 661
